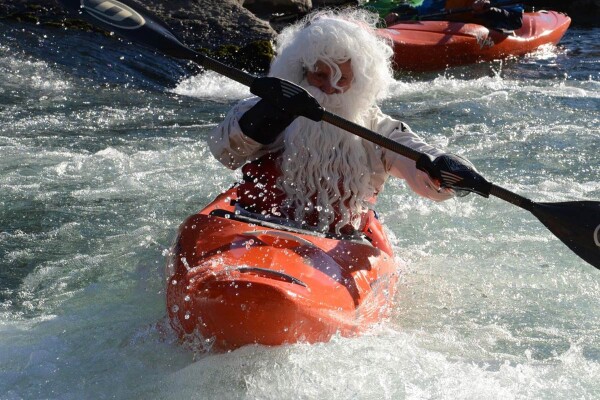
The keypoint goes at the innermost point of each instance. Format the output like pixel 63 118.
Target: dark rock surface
pixel 223 29
pixel 200 23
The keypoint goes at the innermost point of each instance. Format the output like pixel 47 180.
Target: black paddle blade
pixel 127 20
pixel 576 223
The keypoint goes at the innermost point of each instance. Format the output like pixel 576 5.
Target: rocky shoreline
pixel 224 30
pixel 237 32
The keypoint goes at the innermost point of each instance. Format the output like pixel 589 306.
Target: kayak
pixel 434 45
pixel 237 278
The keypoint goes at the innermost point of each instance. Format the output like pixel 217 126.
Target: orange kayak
pixel 236 278
pixel 435 45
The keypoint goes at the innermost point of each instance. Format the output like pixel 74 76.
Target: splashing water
pixel 104 154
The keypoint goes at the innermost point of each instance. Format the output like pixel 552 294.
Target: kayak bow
pixel 237 278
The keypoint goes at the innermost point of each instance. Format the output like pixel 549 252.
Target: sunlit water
pixel 103 154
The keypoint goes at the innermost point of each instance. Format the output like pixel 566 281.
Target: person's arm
pixel 258 122
pixel 228 144
pixel 404 168
pixel 436 175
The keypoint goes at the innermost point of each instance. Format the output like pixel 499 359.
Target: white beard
pixel 325 168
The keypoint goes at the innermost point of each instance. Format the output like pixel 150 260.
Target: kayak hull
pixel 232 283
pixel 434 45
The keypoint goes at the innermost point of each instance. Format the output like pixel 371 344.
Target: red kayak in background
pixel 435 45
pixel 236 278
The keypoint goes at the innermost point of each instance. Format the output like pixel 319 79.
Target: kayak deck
pixel 435 45
pixel 236 280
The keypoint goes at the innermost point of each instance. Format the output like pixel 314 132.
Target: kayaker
pixel 482 12
pixel 504 19
pixel 314 172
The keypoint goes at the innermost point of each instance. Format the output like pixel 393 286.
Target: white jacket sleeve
pixel 403 167
pixel 227 142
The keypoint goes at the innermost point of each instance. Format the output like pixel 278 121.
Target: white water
pixel 95 179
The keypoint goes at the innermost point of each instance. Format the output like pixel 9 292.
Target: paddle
pixel 576 223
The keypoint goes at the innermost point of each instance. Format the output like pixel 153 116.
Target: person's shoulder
pixel 374 111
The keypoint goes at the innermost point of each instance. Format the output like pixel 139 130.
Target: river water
pixel 103 154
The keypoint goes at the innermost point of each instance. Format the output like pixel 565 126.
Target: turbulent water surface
pixel 103 153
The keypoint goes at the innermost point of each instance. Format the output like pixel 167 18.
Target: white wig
pixel 334 37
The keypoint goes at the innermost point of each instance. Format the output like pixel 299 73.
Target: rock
pixel 32 11
pixel 268 7
pixel 200 23
pixel 223 29
pixel 208 23
pixel 334 3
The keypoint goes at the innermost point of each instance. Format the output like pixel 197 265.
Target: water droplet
pixel 185 263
